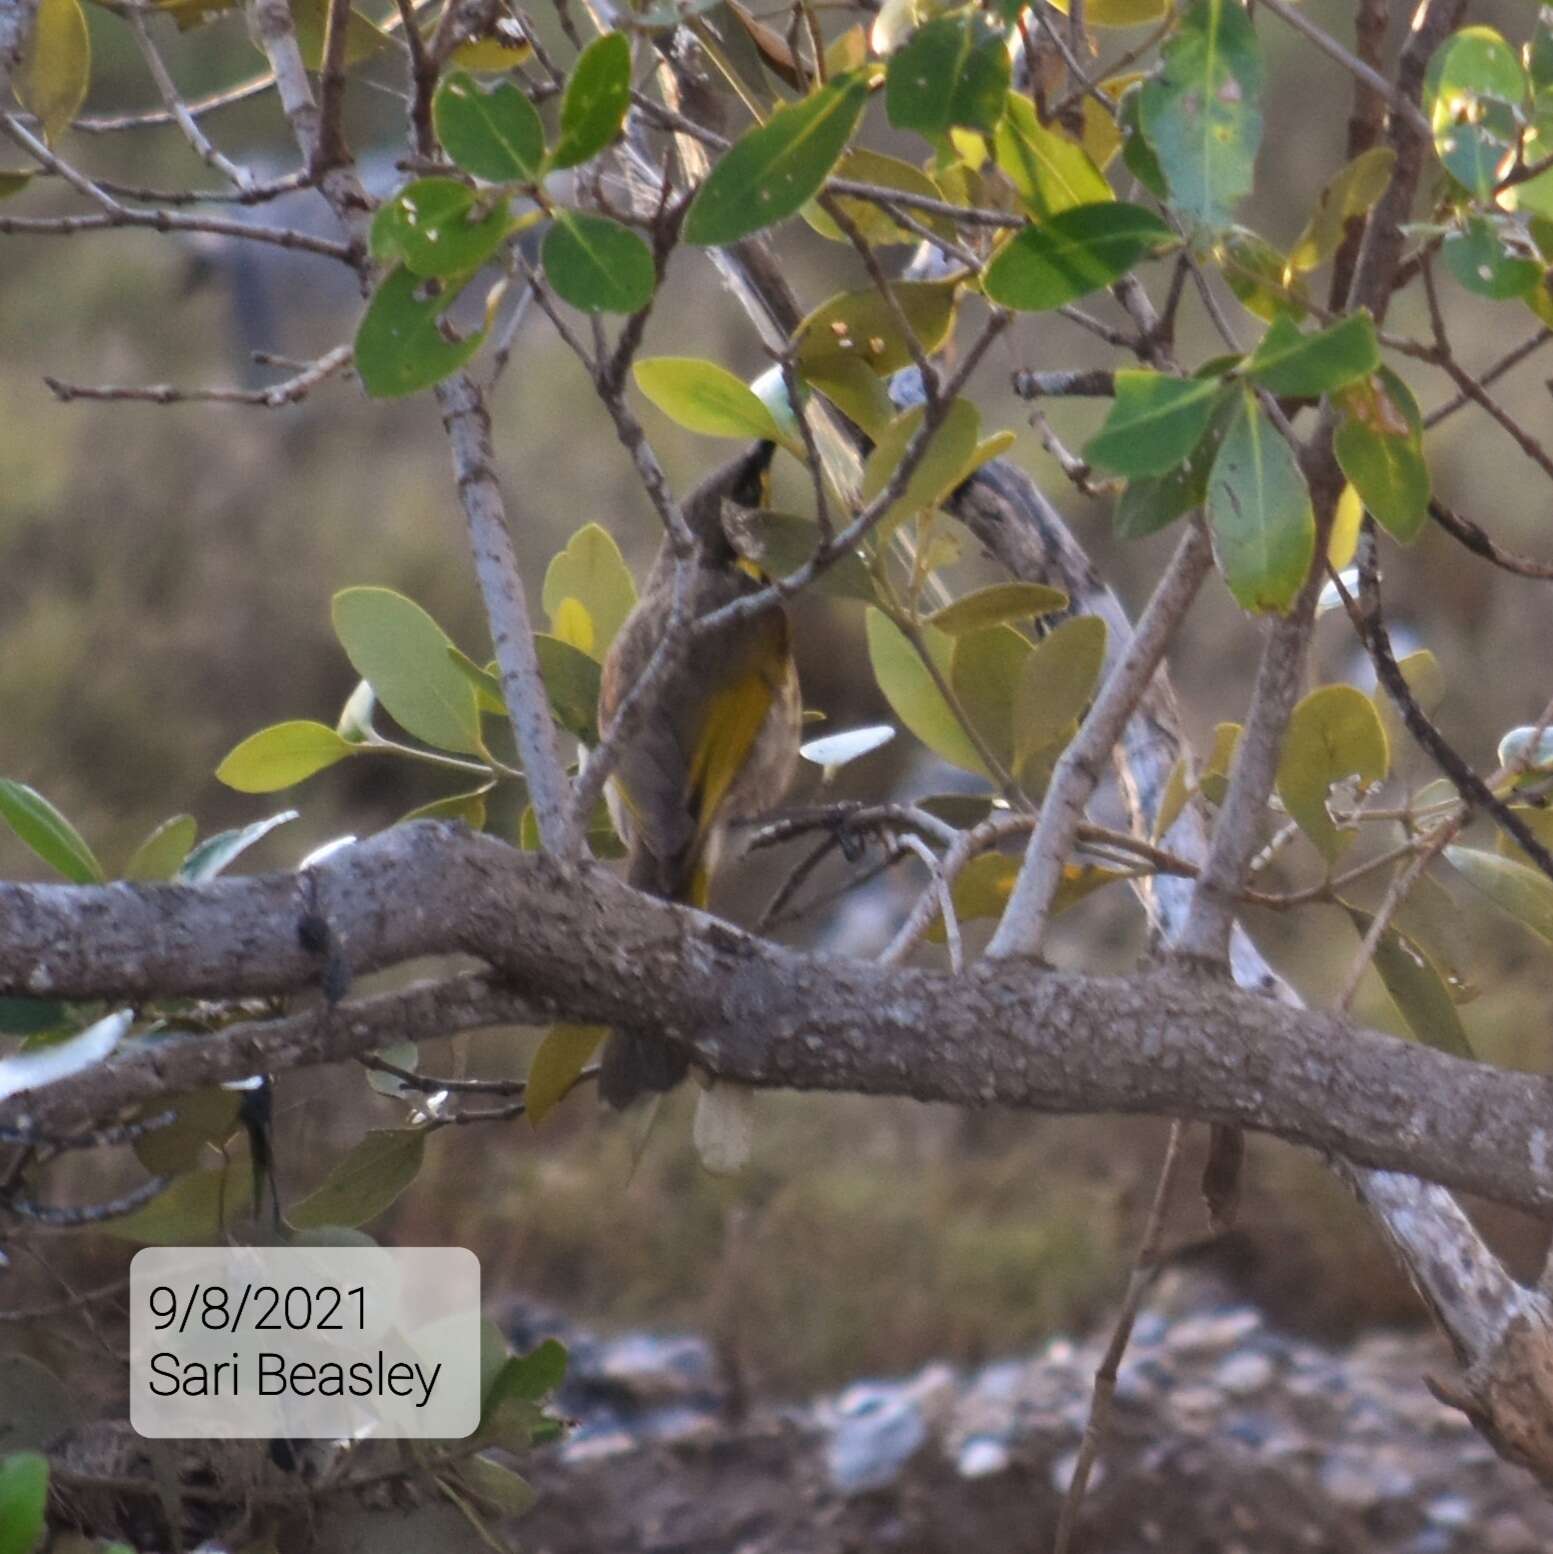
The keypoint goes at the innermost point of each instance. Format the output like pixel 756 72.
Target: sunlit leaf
pixel 1050 172
pixel 37 823
pixel 1154 423
pixel 1202 112
pixel 1076 252
pixel 771 171
pixel 1344 538
pixel 563 1054
pixel 914 695
pixel 596 264
pixel 1057 684
pixel 366 1181
pixel 1333 734
pixel 1473 91
pixel 1348 194
pixel 1264 532
pixel 706 398
pixel 953 70
pixel 492 131
pixel 1260 276
pixel 1483 261
pixel 282 755
pixel 598 92
pixel 591 571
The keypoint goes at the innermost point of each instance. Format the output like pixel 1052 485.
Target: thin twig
pixel 291 392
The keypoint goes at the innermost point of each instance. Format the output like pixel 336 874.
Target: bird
pixel 720 742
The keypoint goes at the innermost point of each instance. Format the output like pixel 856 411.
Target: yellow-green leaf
pixel 941 467
pixel 366 1181
pixel 985 670
pixel 1348 193
pixel 283 754
pixel 592 571
pixel 876 225
pixel 997 605
pixel 57 66
pixel 562 1056
pixel 1057 683
pixel 1517 888
pixel 161 854
pixel 397 647
pixel 859 326
pixel 704 397
pixel 1332 734
pixel 193 1211
pixel 1417 987
pixel 1049 172
pixel 913 693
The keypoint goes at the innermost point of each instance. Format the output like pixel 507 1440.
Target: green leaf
pixel 1483 262
pixel 787 541
pixel 1057 684
pixel 1202 113
pixel 1517 888
pixel 1288 362
pixel 859 326
pixel 596 264
pixel 997 605
pixel 281 755
pixel 212 855
pixel 771 171
pixel 469 808
pixel 984 670
pixel 1154 424
pixel 484 682
pixel 528 1378
pixel 598 93
pixel 1137 154
pixel 912 692
pixel 439 226
pixel 1380 446
pixel 491 131
pixel 13 183
pixel 24 1498
pixel 1264 533
pixel 1073 254
pixel 562 1056
pixel 366 1181
pixel 940 469
pixel 1417 987
pixel 1348 194
pixel 706 398
pixel 876 226
pixel 161 854
pixel 1474 90
pixel 572 681
pixel 193 1211
pixel 37 823
pixel 953 71
pixel 31 1016
pixel 1260 276
pixel 1049 172
pixel 403 653
pixel 400 346
pixel 56 67
pixel 1333 733
pixel 201 1119
pixel 592 572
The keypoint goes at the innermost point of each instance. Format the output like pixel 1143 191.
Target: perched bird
pixel 720 743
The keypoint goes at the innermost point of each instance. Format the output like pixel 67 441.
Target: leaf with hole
pixel 1492 259
pixel 439 226
pixel 397 647
pixel 770 172
pixel 1076 252
pixel 1264 532
pixel 402 344
pixel 859 326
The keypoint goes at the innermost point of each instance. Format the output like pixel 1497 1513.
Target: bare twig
pixel 291 392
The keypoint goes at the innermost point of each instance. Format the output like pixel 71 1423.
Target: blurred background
pixel 165 578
